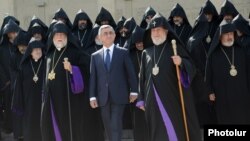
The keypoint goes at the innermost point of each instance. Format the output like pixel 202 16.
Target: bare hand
pixel 212 97
pixel 142 108
pixel 176 60
pixel 132 98
pixel 93 104
pixel 67 66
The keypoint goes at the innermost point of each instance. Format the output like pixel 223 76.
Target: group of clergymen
pixel 85 82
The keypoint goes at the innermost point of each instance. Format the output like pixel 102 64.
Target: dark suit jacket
pixel 115 84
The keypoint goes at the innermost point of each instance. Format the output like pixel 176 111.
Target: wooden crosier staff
pixel 69 105
pixel 181 92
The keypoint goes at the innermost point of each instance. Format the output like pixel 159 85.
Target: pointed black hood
pixel 53 22
pixel 177 10
pixel 160 21
pixel 209 8
pixel 130 25
pixel 93 34
pixel 60 27
pixel 22 38
pixel 37 26
pixel 149 12
pixel 199 32
pixel 11 26
pixel 224 27
pixel 137 35
pixel 104 15
pixel 120 24
pixel 81 15
pixel 241 24
pixel 61 14
pixel 6 20
pixel 228 8
pixel 33 43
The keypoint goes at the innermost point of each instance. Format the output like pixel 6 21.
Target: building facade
pixel 45 9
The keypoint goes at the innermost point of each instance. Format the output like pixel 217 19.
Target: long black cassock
pixel 55 118
pixel 138 116
pixel 92 123
pixel 7 75
pixel 160 92
pixel 232 92
pixel 27 99
pixel 197 47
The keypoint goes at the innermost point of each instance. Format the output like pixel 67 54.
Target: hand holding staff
pixel 177 62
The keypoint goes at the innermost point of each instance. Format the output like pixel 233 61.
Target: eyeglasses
pixel 108 33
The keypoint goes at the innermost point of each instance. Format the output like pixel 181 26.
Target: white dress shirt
pixel 111 49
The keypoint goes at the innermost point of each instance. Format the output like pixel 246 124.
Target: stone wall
pixel 45 9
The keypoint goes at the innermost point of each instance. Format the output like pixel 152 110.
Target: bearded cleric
pixel 60 102
pixel 226 76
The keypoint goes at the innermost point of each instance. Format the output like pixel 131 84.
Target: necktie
pixel 107 60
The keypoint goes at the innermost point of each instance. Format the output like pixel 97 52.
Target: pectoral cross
pixel 52 75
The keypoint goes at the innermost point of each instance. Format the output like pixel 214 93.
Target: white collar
pixel 111 48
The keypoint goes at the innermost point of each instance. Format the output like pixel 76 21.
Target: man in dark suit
pixel 112 79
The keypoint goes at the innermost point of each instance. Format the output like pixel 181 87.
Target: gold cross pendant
pixel 52 75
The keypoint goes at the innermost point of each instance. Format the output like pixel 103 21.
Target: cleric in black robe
pixel 119 38
pixel 228 11
pixel 138 116
pixel 147 16
pixel 243 31
pixel 20 44
pixel 213 19
pixel 7 50
pixel 82 27
pixel 38 29
pixel 91 120
pixel 159 86
pixel 61 104
pixel 127 30
pixel 5 21
pixel 27 99
pixel 61 15
pixel 94 42
pixel 179 22
pixel 104 17
pixel 199 52
pixel 226 76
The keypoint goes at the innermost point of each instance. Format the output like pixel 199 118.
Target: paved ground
pixel 7 137
pixel 127 136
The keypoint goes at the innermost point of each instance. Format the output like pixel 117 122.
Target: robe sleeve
pixel 140 99
pixel 76 80
pixel 187 68
pixel 209 76
pixel 17 105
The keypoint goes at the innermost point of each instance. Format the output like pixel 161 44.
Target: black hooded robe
pixel 231 92
pixel 7 75
pixel 197 47
pixel 138 116
pixel 183 31
pixel 28 93
pixel 161 94
pixel 55 118
pixel 82 35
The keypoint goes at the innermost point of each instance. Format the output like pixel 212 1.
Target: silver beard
pixel 228 44
pixel 60 45
pixel 159 40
